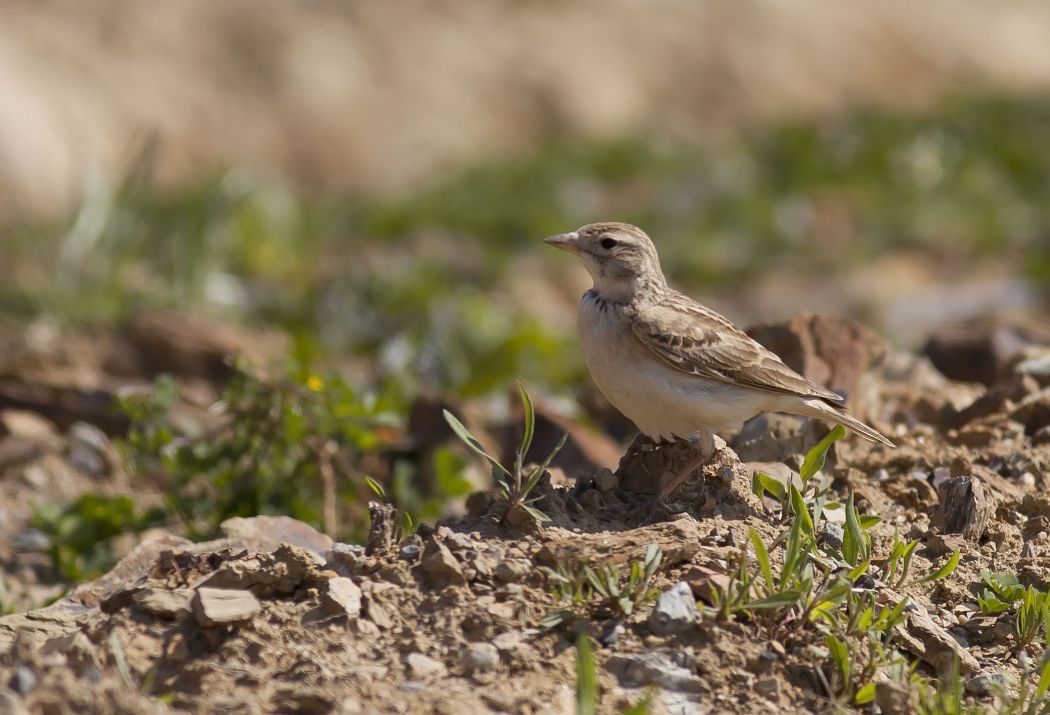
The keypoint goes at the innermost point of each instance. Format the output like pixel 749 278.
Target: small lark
pixel 673 367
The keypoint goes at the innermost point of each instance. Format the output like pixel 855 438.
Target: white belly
pixel 663 403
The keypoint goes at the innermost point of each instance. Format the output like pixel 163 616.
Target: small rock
pixel 32 541
pixel 88 446
pixel 512 570
pixel 441 566
pixel 478 657
pixel 22 423
pixel 279 572
pixel 706 584
pixel 163 603
pixel 22 680
pixel 831 535
pixel 986 684
pixel 508 640
pixel 768 688
pixel 654 669
pixel 410 550
pixel 610 634
pixel 974 436
pixel 965 507
pixel 606 480
pixel 675 610
pixel 223 606
pixel 504 610
pixel 423 666
pixel 275 530
pixel 121 598
pixel 341 597
pixel 377 613
pixel 344 559
pixel 893 698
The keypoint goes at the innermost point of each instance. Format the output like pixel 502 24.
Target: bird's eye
pixel 608 243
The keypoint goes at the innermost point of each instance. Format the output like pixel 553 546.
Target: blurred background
pixel 357 192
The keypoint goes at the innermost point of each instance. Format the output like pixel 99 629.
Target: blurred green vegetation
pixel 399 278
pixel 433 290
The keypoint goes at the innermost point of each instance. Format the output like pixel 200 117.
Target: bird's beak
pixel 565 241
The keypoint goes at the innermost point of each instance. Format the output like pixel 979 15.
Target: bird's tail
pixel 822 410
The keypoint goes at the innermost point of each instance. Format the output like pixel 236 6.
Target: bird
pixel 677 369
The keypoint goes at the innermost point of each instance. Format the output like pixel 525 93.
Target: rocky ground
pixel 275 617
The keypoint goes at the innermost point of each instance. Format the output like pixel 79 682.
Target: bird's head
pixel 621 259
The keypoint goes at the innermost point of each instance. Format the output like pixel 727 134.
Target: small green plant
pixel 406 525
pixel 812 492
pixel 860 645
pixel 1030 606
pixel 898 563
pixel 603 591
pixel 1001 593
pixel 1032 616
pixel 279 445
pixel 82 531
pixel 626 594
pixel 515 484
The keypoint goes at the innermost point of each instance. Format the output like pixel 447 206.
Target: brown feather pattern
pixel 699 341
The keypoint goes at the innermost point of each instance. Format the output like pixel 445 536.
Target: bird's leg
pixel 641 443
pixel 704 453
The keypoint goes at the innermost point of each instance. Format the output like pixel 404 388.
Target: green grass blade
pixel 586 678
pixel 530 427
pixel 817 455
pixel 941 573
pixel 471 441
pixel 762 556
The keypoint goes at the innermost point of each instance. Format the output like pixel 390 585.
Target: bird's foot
pixel 703 457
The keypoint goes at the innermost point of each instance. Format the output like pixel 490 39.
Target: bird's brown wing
pixel 695 340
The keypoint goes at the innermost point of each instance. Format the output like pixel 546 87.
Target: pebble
pixel 480 657
pixel 224 606
pixel 344 558
pixel 768 688
pixel 512 570
pixel 654 669
pixel 508 640
pixel 163 603
pixel 832 535
pixel 986 683
pixel 1027 479
pixel 32 541
pixel 25 424
pixel 423 666
pixel 341 597
pixel 675 610
pixel 22 680
pixel 441 566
